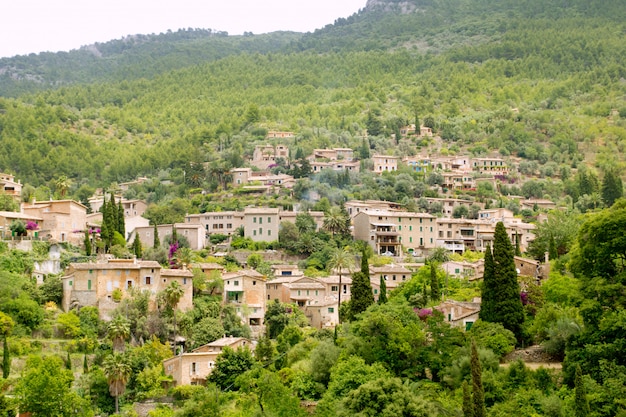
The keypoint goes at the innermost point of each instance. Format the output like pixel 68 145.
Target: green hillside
pixel 542 83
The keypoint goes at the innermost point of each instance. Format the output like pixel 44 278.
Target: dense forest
pixel 541 84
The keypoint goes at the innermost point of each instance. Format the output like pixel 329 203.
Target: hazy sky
pixel 32 26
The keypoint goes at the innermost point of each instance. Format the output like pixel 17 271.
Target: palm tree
pixel 62 184
pixel 341 259
pixel 183 257
pixel 335 221
pixel 172 295
pixel 118 331
pixel 117 371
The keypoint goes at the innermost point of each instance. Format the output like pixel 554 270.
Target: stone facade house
pixel 193 368
pixel 93 283
pixel 460 313
pixel 246 290
pixel 63 220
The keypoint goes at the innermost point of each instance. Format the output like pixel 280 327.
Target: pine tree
pixel 501 291
pixel 435 291
pixel 468 410
pixel 157 242
pixel 612 187
pixel 581 407
pixel 478 393
pixel 382 297
pixel 6 360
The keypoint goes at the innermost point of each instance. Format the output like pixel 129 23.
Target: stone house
pixel 387 232
pixel 460 314
pixel 246 290
pixel 261 223
pixel 63 220
pixel 265 156
pixel 93 283
pixel 193 368
pixel 385 163
pixel 8 186
pixel 393 274
pixel 8 217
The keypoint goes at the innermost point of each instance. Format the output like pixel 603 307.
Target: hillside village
pixel 417 210
pixel 403 239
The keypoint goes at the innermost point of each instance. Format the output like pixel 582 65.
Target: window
pixel 400 228
pixel 193 367
pixel 254 232
pixel 253 282
pixel 375 291
pixel 332 288
pixel 269 219
pixel 331 309
pixel 70 283
pixel 298 292
pixel 148 280
pixel 269 233
pixel 129 284
pixel 260 231
pixel 89 284
pixel 184 280
pixel 236 283
pixel 254 220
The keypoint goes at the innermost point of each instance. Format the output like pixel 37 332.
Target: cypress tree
pixel 488 311
pixel 85 365
pixel 581 405
pixel 137 250
pixel 435 291
pixel 382 297
pixel 87 243
pixel 468 411
pixel 68 362
pixel 553 252
pixel 362 296
pixel 478 393
pixel 157 242
pixel 104 229
pixel 425 294
pixel 501 293
pixel 121 227
pixel 6 360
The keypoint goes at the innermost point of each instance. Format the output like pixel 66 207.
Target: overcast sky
pixel 33 26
